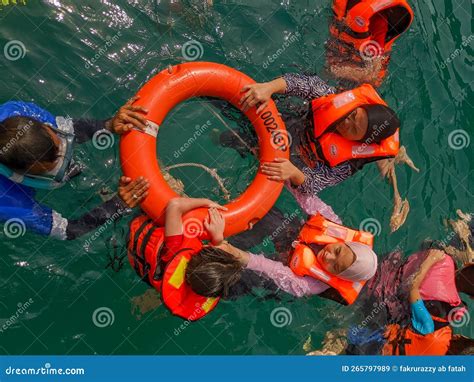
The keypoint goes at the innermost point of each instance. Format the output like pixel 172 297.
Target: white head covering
pixel 364 266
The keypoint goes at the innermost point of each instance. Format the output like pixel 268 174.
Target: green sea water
pixel 85 59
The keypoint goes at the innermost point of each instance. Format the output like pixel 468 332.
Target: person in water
pixel 341 133
pixel 415 301
pixel 36 152
pixel 216 270
pixel 362 34
pixel 430 331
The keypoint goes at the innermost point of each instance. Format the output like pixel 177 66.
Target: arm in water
pixel 130 194
pixel 280 274
pixel 322 176
pixel 420 317
pixel 299 85
pixel 126 118
pixel 306 86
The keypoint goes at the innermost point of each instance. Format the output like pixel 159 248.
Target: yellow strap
pixel 208 304
pixel 177 278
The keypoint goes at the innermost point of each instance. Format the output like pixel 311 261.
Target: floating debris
pixel 461 227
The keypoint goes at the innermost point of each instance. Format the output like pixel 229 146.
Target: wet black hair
pixel 25 141
pixel 212 272
pixel 382 123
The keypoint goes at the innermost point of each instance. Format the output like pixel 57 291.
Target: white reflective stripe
pixel 362 150
pixel 337 232
pixel 152 129
pixel 380 5
pixel 59 226
pixel 320 274
pixel 343 99
pixel 17 178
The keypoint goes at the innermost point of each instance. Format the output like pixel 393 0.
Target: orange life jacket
pixel 365 29
pixel 332 148
pixel 144 253
pixel 377 21
pixel 318 230
pixel 404 341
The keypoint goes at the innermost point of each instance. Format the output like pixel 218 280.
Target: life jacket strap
pixel 344 28
pixel 146 266
pixel 134 253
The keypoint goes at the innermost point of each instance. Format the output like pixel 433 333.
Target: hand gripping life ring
pixel 177 84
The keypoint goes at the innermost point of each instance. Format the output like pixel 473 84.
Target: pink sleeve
pixel 284 277
pixel 311 204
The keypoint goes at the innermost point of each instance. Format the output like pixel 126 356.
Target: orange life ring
pixel 177 84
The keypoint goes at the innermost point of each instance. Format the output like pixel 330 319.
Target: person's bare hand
pixel 128 117
pixel 256 95
pixel 215 225
pixel 210 204
pixel 133 192
pixel 280 169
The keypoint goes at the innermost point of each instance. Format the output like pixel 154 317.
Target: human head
pixel 369 124
pixel 349 261
pixel 212 272
pixel 28 146
pixel 465 280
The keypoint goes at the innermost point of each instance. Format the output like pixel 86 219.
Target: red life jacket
pixel 319 230
pixel 360 21
pixel 144 253
pixel 405 341
pixel 364 29
pixel 332 148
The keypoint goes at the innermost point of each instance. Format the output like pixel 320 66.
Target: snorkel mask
pixel 65 169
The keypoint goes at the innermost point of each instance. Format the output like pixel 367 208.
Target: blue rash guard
pixel 17 201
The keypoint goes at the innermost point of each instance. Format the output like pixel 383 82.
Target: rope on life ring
pixel 211 171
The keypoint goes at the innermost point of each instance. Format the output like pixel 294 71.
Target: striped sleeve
pixel 306 87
